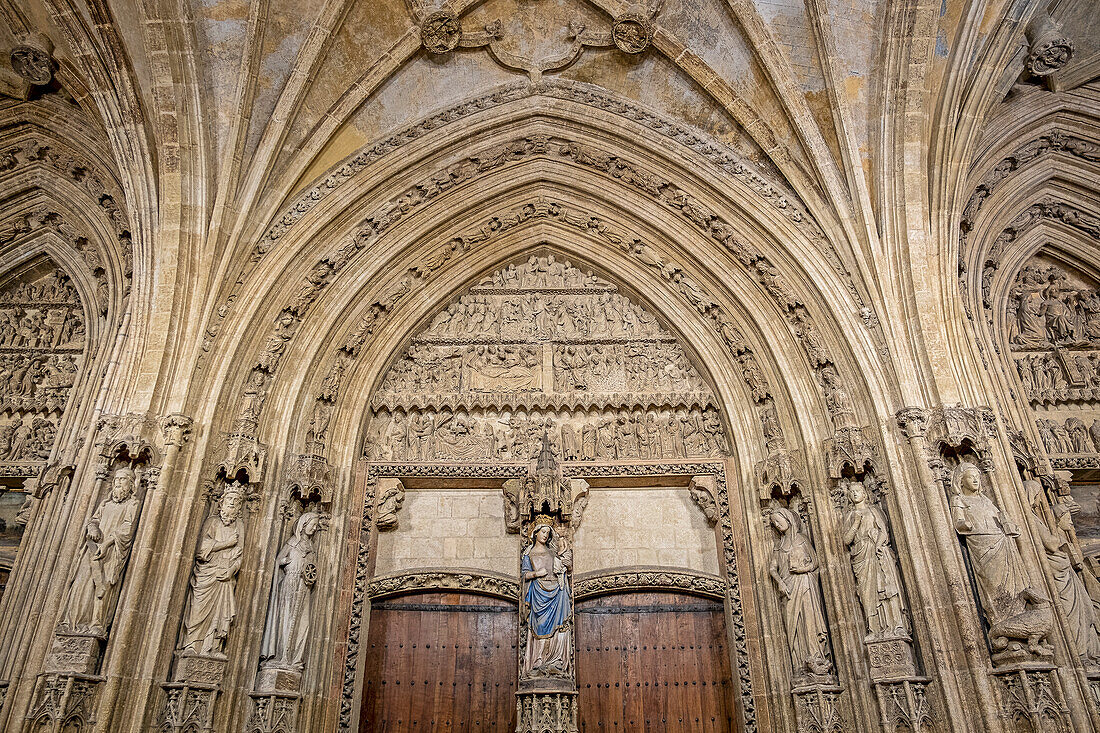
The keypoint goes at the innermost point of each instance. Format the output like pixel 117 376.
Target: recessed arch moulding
pixel 726 272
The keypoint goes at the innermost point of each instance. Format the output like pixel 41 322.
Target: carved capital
pixel 1049 50
pixel 175 429
pixel 913 421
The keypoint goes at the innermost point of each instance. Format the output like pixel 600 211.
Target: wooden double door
pixel 645 662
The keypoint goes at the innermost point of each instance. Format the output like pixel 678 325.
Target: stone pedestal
pixel 272 713
pixel 1032 691
pixel 539 712
pixel 199 669
pixel 72 653
pixel 64 702
pixel 817 707
pixel 284 680
pixel 891 658
pixel 189 698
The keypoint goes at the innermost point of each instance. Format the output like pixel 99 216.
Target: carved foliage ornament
pixel 440 32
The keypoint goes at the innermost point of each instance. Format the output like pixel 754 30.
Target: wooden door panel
pixel 653 662
pixel 440 662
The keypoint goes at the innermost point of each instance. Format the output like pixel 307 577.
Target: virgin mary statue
pixel 545 568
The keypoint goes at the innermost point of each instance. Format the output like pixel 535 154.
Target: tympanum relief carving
pixel 42 337
pixel 542 347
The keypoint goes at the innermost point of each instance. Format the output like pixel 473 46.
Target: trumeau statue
pixel 1015 610
pixel 545 567
pixel 876 570
pixel 288 612
pixel 211 599
pixel 794 569
pixel 108 536
pixel 1064 561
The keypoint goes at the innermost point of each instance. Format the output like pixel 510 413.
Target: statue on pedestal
pixel 546 565
pixel 288 612
pixel 108 537
pixel 211 602
pixel 874 565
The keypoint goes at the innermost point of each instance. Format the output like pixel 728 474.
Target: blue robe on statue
pixel 548 598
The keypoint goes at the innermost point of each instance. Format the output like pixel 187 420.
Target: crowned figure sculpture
pixel 547 697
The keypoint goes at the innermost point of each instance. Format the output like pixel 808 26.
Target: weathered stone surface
pixel 305 307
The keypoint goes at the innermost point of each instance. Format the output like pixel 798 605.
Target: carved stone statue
pixel 389 503
pixel 108 536
pixel 1064 562
pixel 794 569
pixel 288 612
pixel 545 567
pixel 211 601
pixel 874 565
pixel 1014 609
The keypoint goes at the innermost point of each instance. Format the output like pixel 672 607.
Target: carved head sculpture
pixel 857 493
pixel 783 520
pixel 232 502
pixel 122 484
pixel 307 525
pixel 542 531
pixel 968 478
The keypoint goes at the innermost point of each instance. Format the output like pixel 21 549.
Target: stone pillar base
pixel 186 708
pixel 1033 692
pixel 546 712
pixel 817 707
pixel 282 680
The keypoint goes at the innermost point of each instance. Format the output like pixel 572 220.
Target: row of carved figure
pixel 27 438
pixel 636 366
pixel 541 272
pixel 1071 436
pixel 1045 310
pixel 582 436
pixel 543 316
pixel 210 609
pixel 1045 380
pixel 41 328
pixel 36 383
pixel 1018 612
pixel 53 288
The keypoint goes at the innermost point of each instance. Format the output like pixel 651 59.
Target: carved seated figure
pixel 1017 612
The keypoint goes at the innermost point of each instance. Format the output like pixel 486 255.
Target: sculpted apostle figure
pixel 545 568
pixel 1064 561
pixel 288 612
pixel 108 537
pixel 211 601
pixel 874 565
pixel 794 570
pixel 1014 609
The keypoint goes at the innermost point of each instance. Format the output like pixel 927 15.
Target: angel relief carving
pixel 542 347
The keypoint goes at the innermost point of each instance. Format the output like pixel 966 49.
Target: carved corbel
pixel 1048 48
pixel 704 492
pixel 32 58
pixel 175 430
pixel 780 474
pixel 391 494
